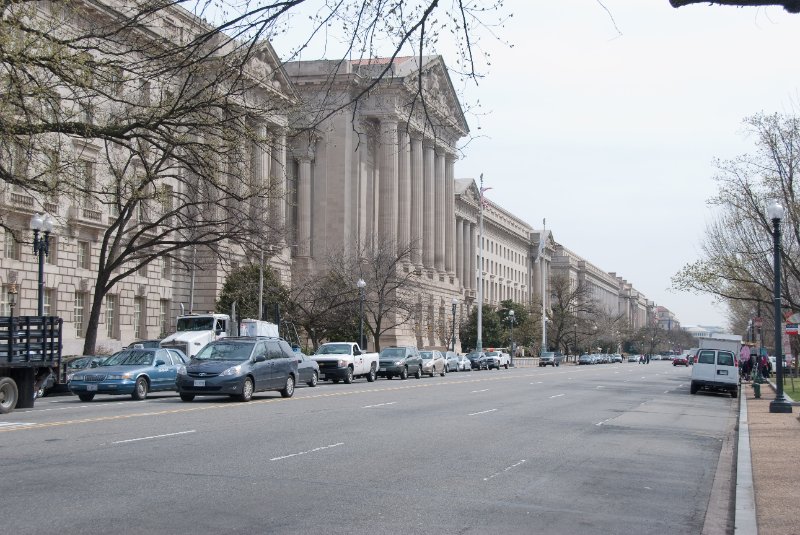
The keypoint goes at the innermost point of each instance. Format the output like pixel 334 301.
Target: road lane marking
pixel 604 421
pixel 504 470
pixel 600 386
pixel 15 425
pixel 557 396
pixel 309 451
pixel 378 405
pixel 482 412
pixel 537 383
pixel 228 405
pixel 154 436
pixel 476 391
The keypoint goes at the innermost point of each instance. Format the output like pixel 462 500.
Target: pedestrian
pixel 647 360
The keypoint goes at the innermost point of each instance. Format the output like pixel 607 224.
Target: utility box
pixel 250 327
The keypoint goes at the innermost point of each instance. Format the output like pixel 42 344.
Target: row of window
pixel 505 252
pixel 12 250
pixel 80 310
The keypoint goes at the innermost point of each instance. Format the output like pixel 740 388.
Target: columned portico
pixel 405 219
pixel 418 195
pixel 450 215
pixel 460 256
pixel 439 210
pixel 304 205
pixel 387 217
pixel 428 240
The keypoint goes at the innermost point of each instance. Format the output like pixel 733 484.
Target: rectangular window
pixel 143 270
pixel 12 248
pixel 87 170
pixel 5 308
pixel 138 309
pixel 78 313
pixel 163 317
pixel 167 203
pixel 111 311
pixel 166 267
pixel 84 261
pixel 50 308
pixel 52 251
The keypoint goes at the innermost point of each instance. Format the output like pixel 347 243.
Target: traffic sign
pixel 791 328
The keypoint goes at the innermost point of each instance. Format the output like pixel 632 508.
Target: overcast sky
pixel 609 128
pixel 611 137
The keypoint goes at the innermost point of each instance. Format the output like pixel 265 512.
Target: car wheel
pixel 559 364
pixel 371 375
pixel 187 397
pixel 418 373
pixel 348 376
pixel 404 373
pixel 444 372
pixel 693 388
pixel 288 390
pixel 314 379
pixel 140 389
pixel 506 365
pixel 86 397
pixel 735 393
pixel 247 390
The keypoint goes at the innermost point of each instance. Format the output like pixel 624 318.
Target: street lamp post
pixel 575 327
pixel 41 248
pixel 12 301
pixel 775 213
pixel 453 337
pixel 361 285
pixel 512 319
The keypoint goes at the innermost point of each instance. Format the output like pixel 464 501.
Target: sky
pixel 609 128
pixel 605 119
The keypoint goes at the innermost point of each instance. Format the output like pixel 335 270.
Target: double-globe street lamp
pixel 775 213
pixel 41 247
pixel 361 285
pixel 453 337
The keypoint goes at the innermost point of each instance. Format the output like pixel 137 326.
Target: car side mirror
pixel 160 363
pixel 260 358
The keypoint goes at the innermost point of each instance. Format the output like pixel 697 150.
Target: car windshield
pixel 426 355
pixel 334 349
pixel 547 354
pixel 77 364
pixel 393 352
pixel 195 324
pixel 134 357
pixel 225 351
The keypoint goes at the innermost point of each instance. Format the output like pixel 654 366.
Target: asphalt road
pixel 608 448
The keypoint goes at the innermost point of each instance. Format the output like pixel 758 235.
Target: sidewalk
pixel 775 454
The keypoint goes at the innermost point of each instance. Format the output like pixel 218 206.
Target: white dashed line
pixel 154 436
pixel 15 425
pixel 557 396
pixel 476 391
pixel 604 421
pixel 378 405
pixel 482 412
pixel 309 451
pixel 504 470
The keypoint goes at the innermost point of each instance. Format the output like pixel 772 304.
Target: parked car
pixel 497 360
pixel 239 367
pixel 616 357
pixel 477 359
pixel 681 360
pixel 400 361
pixel 585 360
pixel 464 364
pixel 715 369
pixel 57 382
pixel 145 343
pixel 132 371
pixel 549 358
pixel 433 362
pixel 451 361
pixel 633 358
pixel 307 369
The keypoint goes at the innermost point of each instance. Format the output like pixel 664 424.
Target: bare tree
pixel 570 305
pixel 792 6
pixel 737 263
pixel 390 293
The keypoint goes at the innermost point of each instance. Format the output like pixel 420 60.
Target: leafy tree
pixel 492 333
pixel 242 285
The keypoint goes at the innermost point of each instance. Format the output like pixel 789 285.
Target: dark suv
pixel 238 367
pixel 401 361
pixel 477 359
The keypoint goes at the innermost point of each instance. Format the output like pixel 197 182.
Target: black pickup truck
pixel 30 351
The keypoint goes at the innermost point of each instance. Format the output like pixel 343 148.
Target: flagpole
pixel 479 340
pixel 541 269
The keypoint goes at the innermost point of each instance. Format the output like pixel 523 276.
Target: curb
pixel 745 514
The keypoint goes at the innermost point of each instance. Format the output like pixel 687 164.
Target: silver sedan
pixel 433 362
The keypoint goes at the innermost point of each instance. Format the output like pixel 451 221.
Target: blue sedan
pixel 133 371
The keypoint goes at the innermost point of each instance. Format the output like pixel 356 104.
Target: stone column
pixel 387 218
pixel 404 188
pixel 439 211
pixel 459 250
pixel 417 191
pixel 473 239
pixel 260 170
pixel 304 206
pixel 279 164
pixel 428 207
pixel 450 215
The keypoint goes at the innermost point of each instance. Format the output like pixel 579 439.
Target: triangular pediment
pixel 437 87
pixel 266 68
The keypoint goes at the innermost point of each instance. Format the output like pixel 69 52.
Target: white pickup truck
pixel 343 361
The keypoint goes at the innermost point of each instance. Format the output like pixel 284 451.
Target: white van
pixel 715 369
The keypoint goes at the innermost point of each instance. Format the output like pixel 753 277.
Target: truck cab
pixel 194 331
